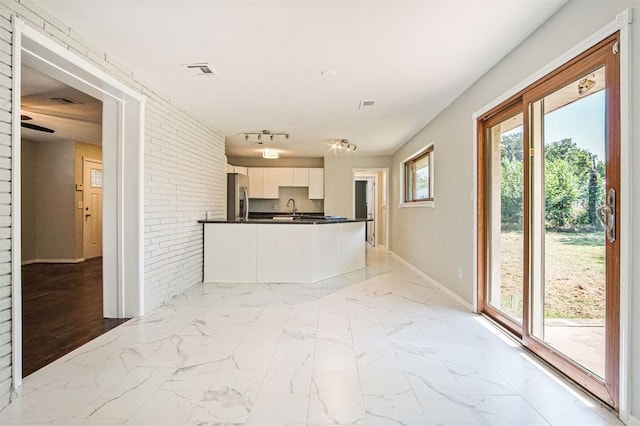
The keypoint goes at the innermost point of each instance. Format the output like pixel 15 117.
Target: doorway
pixel 92 183
pixel 549 222
pixel 122 137
pixel 61 241
pixel 370 194
pixel 365 207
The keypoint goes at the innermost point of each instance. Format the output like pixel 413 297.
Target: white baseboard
pixel 29 262
pixel 453 296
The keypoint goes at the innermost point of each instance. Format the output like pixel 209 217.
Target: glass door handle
pixel 607 215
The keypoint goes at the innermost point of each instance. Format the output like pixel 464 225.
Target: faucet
pixel 291 200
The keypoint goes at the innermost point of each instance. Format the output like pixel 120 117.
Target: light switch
pixel 79 204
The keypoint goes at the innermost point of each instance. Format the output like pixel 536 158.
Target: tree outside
pixel 574 181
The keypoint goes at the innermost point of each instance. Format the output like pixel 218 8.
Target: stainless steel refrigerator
pixel 237 197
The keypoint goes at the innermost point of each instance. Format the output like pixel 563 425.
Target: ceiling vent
pixel 65 101
pixel 201 69
pixel 364 104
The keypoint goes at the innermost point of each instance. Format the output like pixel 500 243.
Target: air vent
pixel 364 104
pixel 201 69
pixel 66 101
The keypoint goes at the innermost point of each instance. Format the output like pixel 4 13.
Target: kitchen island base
pixel 281 253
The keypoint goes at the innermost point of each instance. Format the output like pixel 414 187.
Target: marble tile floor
pixel 380 346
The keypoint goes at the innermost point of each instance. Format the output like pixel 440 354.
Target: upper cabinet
pixel 285 176
pixel 300 177
pixel 265 181
pixel 316 184
pixel 255 182
pixel 269 182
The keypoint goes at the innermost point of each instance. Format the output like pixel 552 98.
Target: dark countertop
pixel 320 213
pixel 302 221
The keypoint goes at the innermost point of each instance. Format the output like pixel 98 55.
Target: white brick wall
pixel 184 164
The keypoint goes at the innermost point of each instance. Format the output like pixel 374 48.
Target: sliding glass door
pixel 505 148
pixel 549 228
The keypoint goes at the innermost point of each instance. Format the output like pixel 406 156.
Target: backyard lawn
pixel 574 274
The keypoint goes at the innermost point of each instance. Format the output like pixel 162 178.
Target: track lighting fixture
pixel 256 137
pixel 342 145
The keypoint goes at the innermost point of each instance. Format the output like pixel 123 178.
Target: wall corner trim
pixel 450 294
pixel 624 18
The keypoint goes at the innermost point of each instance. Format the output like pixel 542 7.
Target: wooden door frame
pixel 591 59
pixel 594 58
pixel 510 108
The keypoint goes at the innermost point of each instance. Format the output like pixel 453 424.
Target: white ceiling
pixel 78 122
pixel 412 58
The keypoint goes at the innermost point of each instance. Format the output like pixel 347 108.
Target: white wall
pixel 338 180
pixel 439 241
pixel 184 165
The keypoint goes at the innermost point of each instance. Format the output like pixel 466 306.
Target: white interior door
pixel 92 208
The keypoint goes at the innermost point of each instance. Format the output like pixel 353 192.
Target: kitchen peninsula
pixel 298 250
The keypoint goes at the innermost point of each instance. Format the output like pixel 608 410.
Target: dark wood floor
pixel 61 310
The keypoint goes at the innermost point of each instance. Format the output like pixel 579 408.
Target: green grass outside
pixel 574 274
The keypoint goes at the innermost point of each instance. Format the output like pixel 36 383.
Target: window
pixel 418 177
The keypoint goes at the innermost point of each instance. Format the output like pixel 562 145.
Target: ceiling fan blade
pixel 25 117
pixel 37 128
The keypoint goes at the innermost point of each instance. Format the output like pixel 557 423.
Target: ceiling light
pixel 271 154
pixel 342 145
pixel 257 137
pixel 327 73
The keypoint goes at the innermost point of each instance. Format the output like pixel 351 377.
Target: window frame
pixel 429 151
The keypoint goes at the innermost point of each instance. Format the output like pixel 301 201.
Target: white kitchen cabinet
pixel 285 176
pixel 255 182
pixel 316 184
pixel 270 183
pixel 301 177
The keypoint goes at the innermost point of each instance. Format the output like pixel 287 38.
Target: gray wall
pixel 28 200
pixel 338 180
pixel 440 240
pixel 48 219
